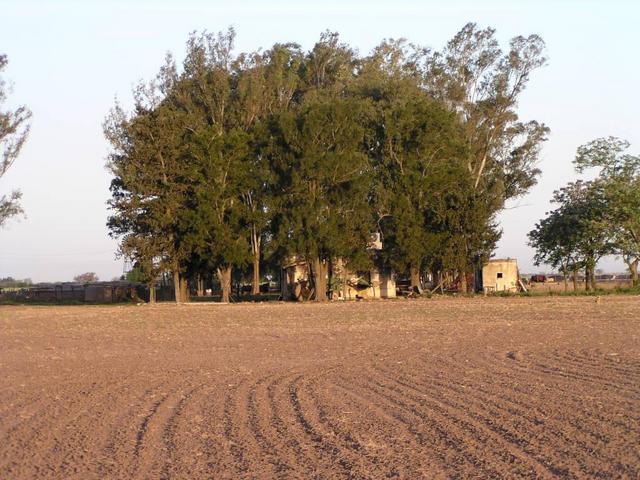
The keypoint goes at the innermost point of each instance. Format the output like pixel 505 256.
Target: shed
pixel 500 275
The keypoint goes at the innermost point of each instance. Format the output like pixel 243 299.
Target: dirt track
pixel 487 388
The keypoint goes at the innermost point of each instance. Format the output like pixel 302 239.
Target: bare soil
pixel 442 388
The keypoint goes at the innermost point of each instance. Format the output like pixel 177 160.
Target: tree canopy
pixel 234 159
pixel 596 217
pixel 14 129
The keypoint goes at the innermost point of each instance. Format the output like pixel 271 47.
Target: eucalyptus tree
pixel 317 156
pixel 416 155
pixel 482 84
pixel 215 152
pixel 149 189
pixel 266 85
pixel 14 129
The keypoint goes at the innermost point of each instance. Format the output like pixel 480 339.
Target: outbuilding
pixel 500 275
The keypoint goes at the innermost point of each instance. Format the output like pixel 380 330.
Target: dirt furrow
pixel 470 423
pixel 433 431
pixel 533 440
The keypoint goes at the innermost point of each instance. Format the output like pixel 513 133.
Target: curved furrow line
pixel 518 407
pixel 584 418
pixel 240 441
pixel 303 459
pixel 531 440
pixel 582 422
pixel 122 441
pixel 326 448
pixel 507 447
pixel 150 453
pixel 236 459
pixel 246 419
pixel 207 428
pixel 567 382
pixel 568 389
pixel 583 375
pixel 387 442
pixel 555 371
pixel 437 436
pixel 320 411
pixel 610 362
pixel 144 427
pixel 259 424
pixel 175 461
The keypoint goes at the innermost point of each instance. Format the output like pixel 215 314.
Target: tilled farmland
pixel 441 388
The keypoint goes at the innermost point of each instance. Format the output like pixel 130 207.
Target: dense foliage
pixel 596 217
pixel 240 161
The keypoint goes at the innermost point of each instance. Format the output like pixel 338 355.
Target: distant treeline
pixel 10 282
pixel 238 160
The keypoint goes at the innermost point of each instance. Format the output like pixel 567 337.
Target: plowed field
pixel 441 388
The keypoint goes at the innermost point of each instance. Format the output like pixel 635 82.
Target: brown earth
pixel 442 388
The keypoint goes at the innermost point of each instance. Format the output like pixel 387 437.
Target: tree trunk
pixel 224 276
pixel 587 276
pixel 176 286
pixel 575 279
pixel 184 290
pixel 592 278
pixel 319 273
pixel 152 292
pixel 566 281
pixel 255 284
pixel 633 270
pixel 199 286
pixel 463 281
pixel 415 278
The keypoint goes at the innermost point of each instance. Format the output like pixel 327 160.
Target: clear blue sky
pixel 69 59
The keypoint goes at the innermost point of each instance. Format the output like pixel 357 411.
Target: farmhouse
pixel 344 284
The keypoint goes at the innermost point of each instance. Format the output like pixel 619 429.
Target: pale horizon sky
pixel 68 60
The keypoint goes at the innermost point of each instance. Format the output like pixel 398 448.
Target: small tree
pixel 576 233
pixel 14 128
pixel 87 277
pixel 619 180
pixel 554 239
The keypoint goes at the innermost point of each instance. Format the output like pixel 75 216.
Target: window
pixel 499 274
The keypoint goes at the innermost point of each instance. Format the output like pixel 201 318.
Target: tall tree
pixel 217 151
pixel 14 129
pixel 322 173
pixel 416 153
pixel 266 85
pixel 149 189
pixel 482 85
